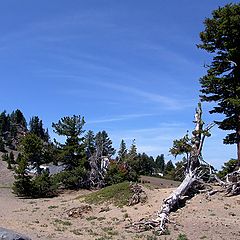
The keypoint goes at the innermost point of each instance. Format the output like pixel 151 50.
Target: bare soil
pixel 201 218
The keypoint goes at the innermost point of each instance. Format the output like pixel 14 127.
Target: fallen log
pixel 193 173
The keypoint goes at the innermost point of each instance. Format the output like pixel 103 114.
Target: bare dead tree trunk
pixel 192 174
pixel 96 177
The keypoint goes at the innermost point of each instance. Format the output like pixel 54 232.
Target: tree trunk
pixel 192 174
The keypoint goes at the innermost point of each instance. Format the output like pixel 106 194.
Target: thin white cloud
pixel 168 55
pixel 121 118
pixel 168 102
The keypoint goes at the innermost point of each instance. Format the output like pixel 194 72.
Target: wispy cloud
pixel 168 102
pixel 168 55
pixel 121 118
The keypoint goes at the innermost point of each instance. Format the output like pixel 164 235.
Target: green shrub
pixel 43 186
pixel 72 179
pixel 118 172
pixel 228 167
pixel 118 194
pixel 182 237
pixel 28 186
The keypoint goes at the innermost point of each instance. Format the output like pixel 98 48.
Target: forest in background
pixel 87 160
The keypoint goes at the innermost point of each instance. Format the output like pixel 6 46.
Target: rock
pixel 104 209
pixel 6 234
pixel 78 211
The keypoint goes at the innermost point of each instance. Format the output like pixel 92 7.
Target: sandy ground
pixel 201 218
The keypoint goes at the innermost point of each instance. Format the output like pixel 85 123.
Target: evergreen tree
pixel 72 151
pixel 228 167
pixel 169 170
pixel 221 84
pixel 181 146
pixel 19 157
pixel 104 144
pixel 43 186
pixel 160 163
pixel 133 160
pixel 11 157
pixel 9 164
pixel 179 173
pixel 122 153
pixel 36 127
pixel 89 142
pixel 132 153
pixel 18 118
pixel 2 145
pixel 4 123
pixel 146 164
pixel 23 184
pixel 169 166
pixel 32 149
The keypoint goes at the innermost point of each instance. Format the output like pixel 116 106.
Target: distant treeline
pixel 89 159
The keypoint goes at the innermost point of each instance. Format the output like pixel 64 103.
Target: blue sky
pixel 129 67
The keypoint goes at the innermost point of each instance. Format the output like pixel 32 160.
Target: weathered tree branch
pixel 193 173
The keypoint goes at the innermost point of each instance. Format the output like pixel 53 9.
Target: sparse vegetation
pixel 110 231
pixel 65 223
pixel 91 218
pixel 117 194
pixel 76 231
pixel 182 237
pixel 52 206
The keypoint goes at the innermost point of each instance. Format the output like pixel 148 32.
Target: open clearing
pixel 44 219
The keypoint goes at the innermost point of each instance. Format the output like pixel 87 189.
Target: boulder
pixel 6 234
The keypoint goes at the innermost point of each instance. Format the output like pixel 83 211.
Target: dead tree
pixel 193 173
pixel 96 178
pixel 231 185
pixel 98 167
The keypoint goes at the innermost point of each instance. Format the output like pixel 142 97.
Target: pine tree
pixel 23 183
pixel 19 157
pixel 11 157
pixel 132 153
pixel 32 149
pixel 36 127
pixel 104 145
pixel 89 142
pixel 146 164
pixel 122 153
pixel 4 123
pixel 160 163
pixel 169 169
pixel 2 145
pixel 181 146
pixel 133 160
pixel 72 151
pixel 221 84
pixel 18 118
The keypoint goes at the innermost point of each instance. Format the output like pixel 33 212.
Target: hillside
pixel 6 175
pixel 201 218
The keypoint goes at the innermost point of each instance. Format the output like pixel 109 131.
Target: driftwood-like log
pixel 192 174
pixel 232 183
